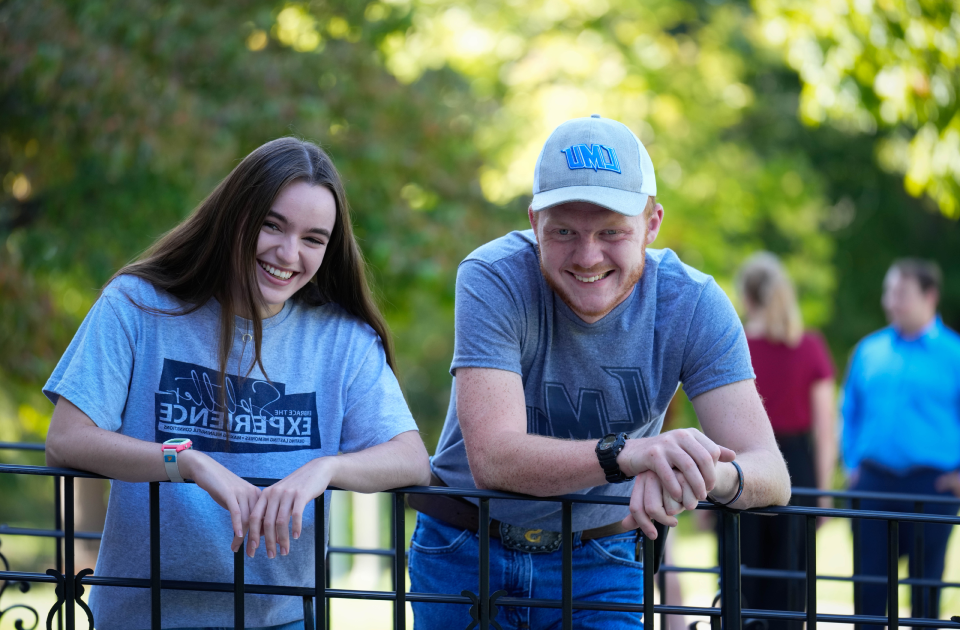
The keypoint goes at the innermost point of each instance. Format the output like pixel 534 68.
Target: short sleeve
pixel 374 410
pixel 716 351
pixel 487 320
pixel 821 362
pixel 94 373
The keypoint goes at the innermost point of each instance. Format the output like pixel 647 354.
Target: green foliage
pixel 881 66
pixel 116 118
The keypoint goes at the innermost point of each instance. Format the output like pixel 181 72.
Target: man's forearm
pixel 537 465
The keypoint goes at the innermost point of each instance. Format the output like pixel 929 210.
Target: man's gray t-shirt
pixel 582 381
pixel 328 389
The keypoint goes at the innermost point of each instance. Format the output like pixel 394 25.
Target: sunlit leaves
pixel 887 64
pixel 675 75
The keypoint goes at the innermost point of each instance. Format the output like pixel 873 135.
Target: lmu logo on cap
pixel 592 156
pixel 604 164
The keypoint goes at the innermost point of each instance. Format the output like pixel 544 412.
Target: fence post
pixel 320 560
pixel 58 525
pixel 893 557
pixel 238 590
pixel 566 567
pixel 68 545
pixel 857 564
pixel 811 559
pixel 662 585
pixel 918 596
pixel 648 563
pixel 730 570
pixel 154 556
pixel 484 603
pixel 399 563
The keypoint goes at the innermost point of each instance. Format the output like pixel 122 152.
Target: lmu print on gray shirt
pixel 582 381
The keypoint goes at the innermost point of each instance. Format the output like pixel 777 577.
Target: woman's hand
pixel 232 493
pixel 283 503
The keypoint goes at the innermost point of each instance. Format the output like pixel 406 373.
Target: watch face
pixel 176 441
pixel 608 442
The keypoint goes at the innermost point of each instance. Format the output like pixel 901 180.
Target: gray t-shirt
pixel 582 381
pixel 154 377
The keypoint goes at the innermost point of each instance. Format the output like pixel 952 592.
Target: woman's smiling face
pixel 292 242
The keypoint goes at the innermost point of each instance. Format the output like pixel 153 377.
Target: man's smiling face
pixel 592 257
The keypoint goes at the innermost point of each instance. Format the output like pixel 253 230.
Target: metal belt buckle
pixel 528 540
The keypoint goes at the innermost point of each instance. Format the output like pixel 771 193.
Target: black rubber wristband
pixel 736 497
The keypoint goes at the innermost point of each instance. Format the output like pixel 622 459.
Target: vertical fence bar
pixel 329 581
pixel 308 614
pixel 68 549
pixel 648 564
pixel 399 563
pixel 893 556
pixel 793 564
pixel 155 555
pixel 484 527
pixel 918 594
pixel 662 585
pixel 857 566
pixel 730 571
pixel 58 525
pixel 566 567
pixel 320 561
pixel 811 560
pixel 238 590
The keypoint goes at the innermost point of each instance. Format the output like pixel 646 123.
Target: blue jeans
pixel 293 625
pixel 873 536
pixel 444 560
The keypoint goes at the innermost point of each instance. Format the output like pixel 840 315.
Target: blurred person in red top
pixel 795 379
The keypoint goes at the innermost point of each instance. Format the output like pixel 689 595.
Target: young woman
pixel 795 379
pixel 248 330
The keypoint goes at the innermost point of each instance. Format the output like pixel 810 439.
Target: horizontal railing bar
pixel 868 579
pixel 797 491
pixel 294 591
pixel 864 494
pixel 576 498
pixel 801 575
pixel 361 551
pixel 46 533
pixel 746 571
pixel 22 446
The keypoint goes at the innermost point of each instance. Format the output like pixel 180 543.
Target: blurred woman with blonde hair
pixel 795 379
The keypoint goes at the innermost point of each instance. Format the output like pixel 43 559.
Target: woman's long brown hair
pixel 212 253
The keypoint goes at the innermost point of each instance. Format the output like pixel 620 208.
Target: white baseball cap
pixel 596 160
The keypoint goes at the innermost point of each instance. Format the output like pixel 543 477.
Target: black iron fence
pixel 71 586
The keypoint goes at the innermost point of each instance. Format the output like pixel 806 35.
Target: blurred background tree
pixel 826 132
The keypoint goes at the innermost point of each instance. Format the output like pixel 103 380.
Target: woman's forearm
pixel 74 441
pixel 401 461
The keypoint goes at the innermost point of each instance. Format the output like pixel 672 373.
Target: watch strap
pixel 170 463
pixel 608 457
pixel 170 457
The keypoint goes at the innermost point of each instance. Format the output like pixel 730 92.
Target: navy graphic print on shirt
pixel 259 415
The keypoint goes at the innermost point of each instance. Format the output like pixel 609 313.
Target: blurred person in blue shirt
pixel 901 425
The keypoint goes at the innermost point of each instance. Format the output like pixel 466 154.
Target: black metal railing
pixel 70 586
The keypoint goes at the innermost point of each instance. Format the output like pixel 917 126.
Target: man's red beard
pixel 632 279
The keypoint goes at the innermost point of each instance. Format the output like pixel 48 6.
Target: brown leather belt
pixel 465 515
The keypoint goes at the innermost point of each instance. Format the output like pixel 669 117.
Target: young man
pixel 901 425
pixel 567 334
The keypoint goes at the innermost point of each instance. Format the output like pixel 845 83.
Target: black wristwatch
pixel 607 450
